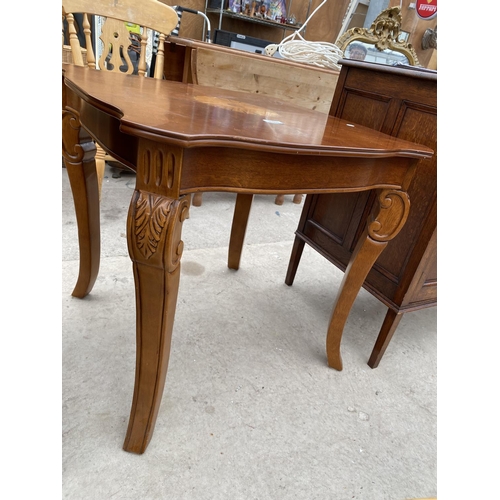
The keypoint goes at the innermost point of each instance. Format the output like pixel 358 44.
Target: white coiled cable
pixel 321 54
pixel 296 48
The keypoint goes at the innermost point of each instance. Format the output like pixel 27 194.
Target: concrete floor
pixel 250 409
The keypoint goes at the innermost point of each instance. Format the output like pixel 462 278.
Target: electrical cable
pixel 322 54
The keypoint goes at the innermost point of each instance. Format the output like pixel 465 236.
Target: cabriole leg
pixel 388 217
pixel 154 231
pixel 79 157
pixel 154 226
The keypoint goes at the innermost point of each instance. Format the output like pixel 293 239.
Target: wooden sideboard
pixel 402 102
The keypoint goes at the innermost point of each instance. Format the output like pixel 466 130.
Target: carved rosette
pixel 394 207
pixel 77 145
pixel 155 231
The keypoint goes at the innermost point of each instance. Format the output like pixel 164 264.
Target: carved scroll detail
pixel 77 145
pixel 151 217
pixel 394 207
pixel 384 34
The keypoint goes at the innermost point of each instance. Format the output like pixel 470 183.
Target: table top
pixel 197 116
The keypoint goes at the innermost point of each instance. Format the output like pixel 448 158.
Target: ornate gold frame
pixel 383 34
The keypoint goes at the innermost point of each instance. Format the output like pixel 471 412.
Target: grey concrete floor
pixel 250 409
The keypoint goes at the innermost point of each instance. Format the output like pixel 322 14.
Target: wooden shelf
pixel 252 19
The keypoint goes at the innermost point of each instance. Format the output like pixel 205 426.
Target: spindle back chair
pixel 126 26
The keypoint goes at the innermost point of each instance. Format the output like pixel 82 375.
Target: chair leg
pixel 100 165
pixel 391 322
pixel 280 198
pixel 197 199
pixel 238 229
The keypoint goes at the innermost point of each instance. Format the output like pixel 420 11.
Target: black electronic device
pixel 242 42
pixel 214 4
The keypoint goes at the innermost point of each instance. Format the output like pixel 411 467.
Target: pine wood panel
pixel 304 86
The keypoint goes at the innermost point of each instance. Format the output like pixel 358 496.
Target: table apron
pixel 105 128
pixel 249 171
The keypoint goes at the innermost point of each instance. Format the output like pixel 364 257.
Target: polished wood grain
pixel 183 139
pixel 214 65
pixel 194 117
pixel 302 85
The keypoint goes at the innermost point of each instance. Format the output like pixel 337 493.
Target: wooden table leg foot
pixel 335 361
pixel 362 259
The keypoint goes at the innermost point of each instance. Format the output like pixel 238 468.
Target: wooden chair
pixel 149 15
pixel 298 84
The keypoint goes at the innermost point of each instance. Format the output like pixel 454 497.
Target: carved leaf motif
pixel 151 217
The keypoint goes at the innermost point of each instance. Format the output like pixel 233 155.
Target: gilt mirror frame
pixel 384 34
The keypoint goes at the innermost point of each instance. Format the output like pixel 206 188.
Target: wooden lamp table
pixel 182 139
